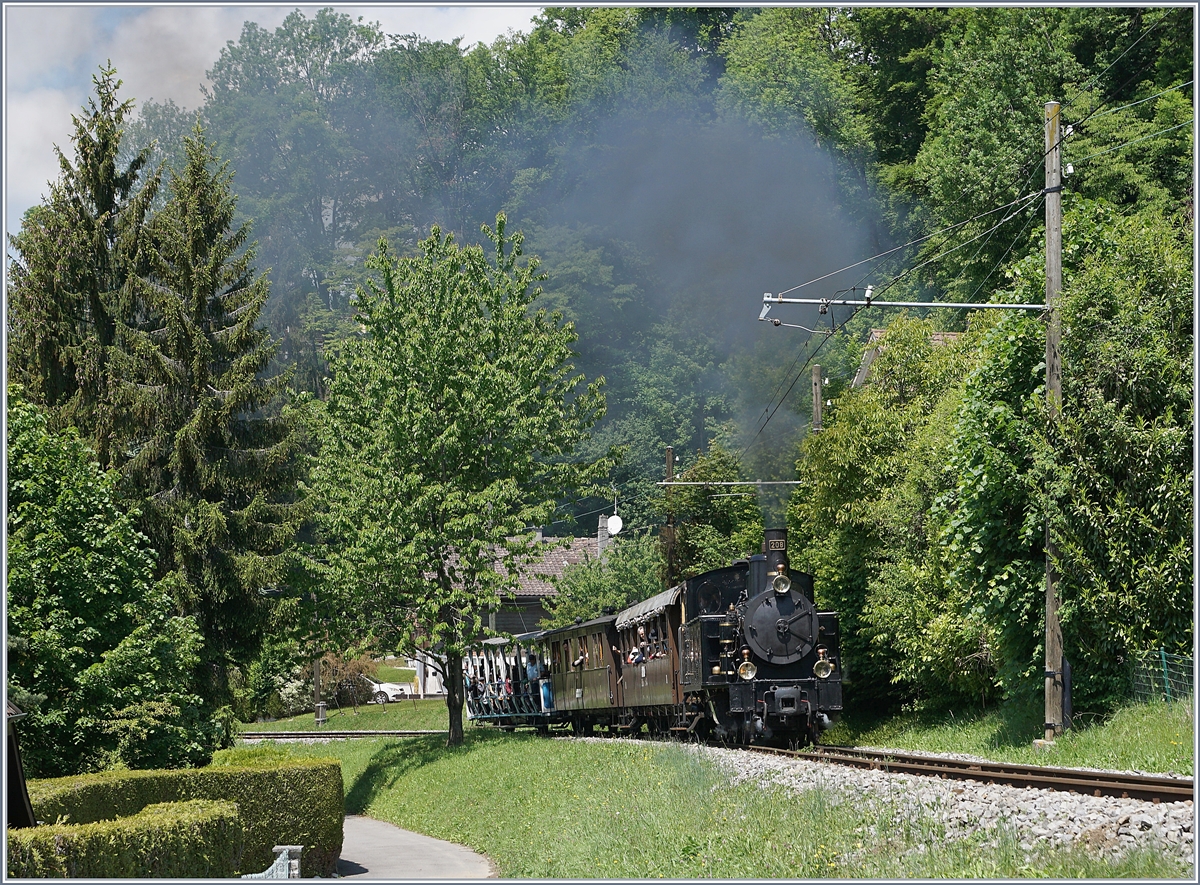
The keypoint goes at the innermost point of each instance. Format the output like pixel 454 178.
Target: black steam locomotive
pixel 738 655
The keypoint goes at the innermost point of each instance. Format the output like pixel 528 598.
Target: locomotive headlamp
pixel 823 668
pixel 746 670
pixel 781 583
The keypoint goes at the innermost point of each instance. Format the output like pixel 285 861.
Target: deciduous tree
pixel 627 572
pixel 449 432
pixel 95 655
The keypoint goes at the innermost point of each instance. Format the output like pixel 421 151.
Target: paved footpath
pixel 373 849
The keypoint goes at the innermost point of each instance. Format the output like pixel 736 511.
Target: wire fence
pixel 1157 675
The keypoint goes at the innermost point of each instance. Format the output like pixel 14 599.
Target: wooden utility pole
pixel 818 397
pixel 1054 650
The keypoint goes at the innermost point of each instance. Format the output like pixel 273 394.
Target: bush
pixel 293 802
pixel 96 654
pixel 200 838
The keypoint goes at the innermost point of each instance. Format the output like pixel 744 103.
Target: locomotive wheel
pixel 579 727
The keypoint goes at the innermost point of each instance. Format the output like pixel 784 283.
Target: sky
pixel 161 52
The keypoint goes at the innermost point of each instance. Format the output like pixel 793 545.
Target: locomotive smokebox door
pixel 781 628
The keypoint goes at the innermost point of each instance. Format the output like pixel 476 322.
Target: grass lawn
pixel 400 675
pixel 636 809
pixel 1157 737
pixel 415 714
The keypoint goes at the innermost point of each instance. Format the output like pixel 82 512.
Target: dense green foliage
pixel 628 571
pixel 1113 474
pixel 214 460
pixel 449 432
pixel 196 839
pixel 265 793
pixel 668 165
pixel 95 655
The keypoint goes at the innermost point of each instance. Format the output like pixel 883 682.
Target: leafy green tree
pixel 289 108
pixel 627 572
pixel 448 432
pixel 92 642
pixel 216 460
pixel 1142 154
pixel 69 294
pixel 714 524
pixel 895 57
pixel 992 77
pixel 1112 475
pixel 1122 485
pixel 859 520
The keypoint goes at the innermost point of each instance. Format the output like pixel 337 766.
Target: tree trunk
pixel 453 679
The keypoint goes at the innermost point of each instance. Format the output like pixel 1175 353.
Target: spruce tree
pixel 218 457
pixel 70 299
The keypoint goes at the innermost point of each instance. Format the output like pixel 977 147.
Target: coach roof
pixel 652 607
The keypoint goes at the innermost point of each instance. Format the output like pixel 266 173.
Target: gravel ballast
pixel 1040 818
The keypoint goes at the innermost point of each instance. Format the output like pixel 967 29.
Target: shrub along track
pixel 1147 787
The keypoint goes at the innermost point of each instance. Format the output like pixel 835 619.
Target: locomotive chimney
pixel 775 546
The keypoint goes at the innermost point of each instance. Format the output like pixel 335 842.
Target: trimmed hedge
pixel 297 802
pixel 200 838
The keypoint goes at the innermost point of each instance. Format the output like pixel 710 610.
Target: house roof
pixel 535 578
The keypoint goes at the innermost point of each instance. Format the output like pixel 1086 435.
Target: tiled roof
pixel 535 578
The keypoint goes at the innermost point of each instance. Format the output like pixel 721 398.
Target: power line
pixel 921 239
pixel 1136 140
pixel 884 287
pixel 1133 104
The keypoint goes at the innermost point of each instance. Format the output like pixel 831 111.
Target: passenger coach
pixel 739 654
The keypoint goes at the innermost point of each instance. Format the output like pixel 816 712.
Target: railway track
pixel 1147 787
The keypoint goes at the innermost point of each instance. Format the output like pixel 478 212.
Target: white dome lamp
pixel 615 524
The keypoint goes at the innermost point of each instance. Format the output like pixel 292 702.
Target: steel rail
pixel 1147 787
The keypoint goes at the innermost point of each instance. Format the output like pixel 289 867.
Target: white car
pixel 382 692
